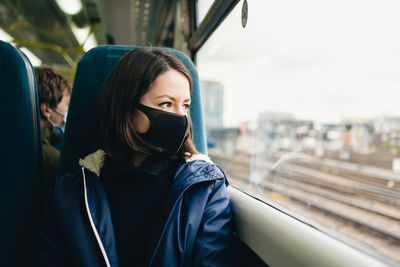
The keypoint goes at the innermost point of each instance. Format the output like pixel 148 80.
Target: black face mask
pixel 167 130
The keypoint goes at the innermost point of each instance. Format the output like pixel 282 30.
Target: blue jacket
pixel 195 225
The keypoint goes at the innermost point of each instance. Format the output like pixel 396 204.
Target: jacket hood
pixel 95 161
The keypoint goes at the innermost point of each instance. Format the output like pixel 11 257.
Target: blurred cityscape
pixel 374 141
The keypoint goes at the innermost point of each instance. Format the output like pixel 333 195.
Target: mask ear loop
pixel 149 114
pixel 58 112
pixel 51 122
pixel 61 114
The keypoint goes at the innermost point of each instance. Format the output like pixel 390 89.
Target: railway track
pixel 363 199
pixel 383 186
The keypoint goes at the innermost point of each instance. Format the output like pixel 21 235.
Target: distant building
pixel 387 133
pixel 358 134
pixel 213 104
pixel 283 129
pixel 273 124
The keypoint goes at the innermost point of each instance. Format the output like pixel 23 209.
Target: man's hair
pixel 51 86
pixel 130 79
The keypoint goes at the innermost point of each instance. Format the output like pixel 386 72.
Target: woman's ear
pixel 45 110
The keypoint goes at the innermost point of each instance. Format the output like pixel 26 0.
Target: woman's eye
pixel 186 106
pixel 165 104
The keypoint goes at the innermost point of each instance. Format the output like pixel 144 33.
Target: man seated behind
pixel 54 94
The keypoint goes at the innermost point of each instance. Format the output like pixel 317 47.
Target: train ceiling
pixel 59 38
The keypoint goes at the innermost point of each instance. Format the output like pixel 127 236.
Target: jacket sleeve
pixel 47 250
pixel 214 242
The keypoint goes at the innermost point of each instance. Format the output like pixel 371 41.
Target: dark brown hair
pixel 131 78
pixel 51 86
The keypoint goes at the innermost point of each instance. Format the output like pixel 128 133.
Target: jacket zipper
pixel 103 251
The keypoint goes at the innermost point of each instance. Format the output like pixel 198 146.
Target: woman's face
pixel 169 92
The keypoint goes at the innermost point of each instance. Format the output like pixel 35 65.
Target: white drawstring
pixel 91 221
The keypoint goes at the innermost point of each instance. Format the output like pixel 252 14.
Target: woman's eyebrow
pixel 168 96
pixel 172 98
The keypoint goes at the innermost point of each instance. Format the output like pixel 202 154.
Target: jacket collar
pixel 95 161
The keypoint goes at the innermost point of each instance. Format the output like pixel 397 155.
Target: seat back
pixel 91 77
pixel 21 157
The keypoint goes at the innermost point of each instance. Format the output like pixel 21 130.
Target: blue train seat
pixel 91 76
pixel 21 157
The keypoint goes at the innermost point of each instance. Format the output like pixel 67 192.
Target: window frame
pixel 219 10
pixel 281 238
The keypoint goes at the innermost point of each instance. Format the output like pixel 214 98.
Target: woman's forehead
pixel 172 83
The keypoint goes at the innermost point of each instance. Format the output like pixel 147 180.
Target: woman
pixel 146 197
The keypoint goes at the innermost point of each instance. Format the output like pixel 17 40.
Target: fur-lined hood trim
pixel 95 161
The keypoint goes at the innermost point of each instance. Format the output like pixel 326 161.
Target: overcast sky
pixel 320 60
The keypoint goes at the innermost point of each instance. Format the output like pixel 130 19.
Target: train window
pixel 302 107
pixel 202 8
